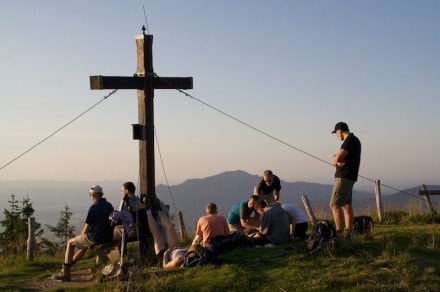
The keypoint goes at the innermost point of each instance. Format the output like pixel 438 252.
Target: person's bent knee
pixel 334 206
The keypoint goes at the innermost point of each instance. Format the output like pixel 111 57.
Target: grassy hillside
pixel 399 255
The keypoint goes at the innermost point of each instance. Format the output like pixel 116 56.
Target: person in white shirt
pixel 298 221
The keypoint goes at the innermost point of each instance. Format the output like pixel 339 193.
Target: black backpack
pixel 224 243
pixel 197 257
pixel 363 224
pixel 323 233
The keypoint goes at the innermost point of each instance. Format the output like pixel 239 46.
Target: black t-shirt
pixel 263 188
pixel 350 169
pixel 101 230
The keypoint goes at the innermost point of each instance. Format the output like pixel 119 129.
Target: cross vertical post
pixel 147 184
pixel 145 81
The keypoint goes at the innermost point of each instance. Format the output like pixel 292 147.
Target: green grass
pixel 398 257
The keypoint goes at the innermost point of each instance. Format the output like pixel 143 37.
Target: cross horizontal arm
pixel 116 82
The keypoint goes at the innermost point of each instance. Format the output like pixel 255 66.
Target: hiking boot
pixel 62 276
pixel 348 234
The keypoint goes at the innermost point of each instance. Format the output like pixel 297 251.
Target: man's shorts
pixel 82 241
pixel 342 192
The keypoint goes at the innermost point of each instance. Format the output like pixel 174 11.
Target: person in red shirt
pixel 210 226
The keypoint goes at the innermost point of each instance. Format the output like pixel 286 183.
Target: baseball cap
pixel 96 189
pixel 340 126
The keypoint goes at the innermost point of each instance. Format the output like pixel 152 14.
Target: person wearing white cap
pixel 347 162
pixel 97 230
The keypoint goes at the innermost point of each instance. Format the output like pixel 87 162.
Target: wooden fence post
pixel 181 226
pixel 31 239
pixel 427 199
pixel 379 205
pixel 309 210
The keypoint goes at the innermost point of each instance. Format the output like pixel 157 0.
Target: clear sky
pixel 289 68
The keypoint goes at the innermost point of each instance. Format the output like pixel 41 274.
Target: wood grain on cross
pixel 145 81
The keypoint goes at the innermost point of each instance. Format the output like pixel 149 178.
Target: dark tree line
pixel 14 229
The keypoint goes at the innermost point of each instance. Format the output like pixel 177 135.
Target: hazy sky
pixel 291 69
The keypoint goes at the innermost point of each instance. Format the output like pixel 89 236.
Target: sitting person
pixel 97 230
pixel 243 216
pixel 298 221
pixel 210 226
pixel 130 203
pixel 274 226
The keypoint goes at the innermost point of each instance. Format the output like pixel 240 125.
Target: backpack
pixel 224 243
pixel 197 257
pixel 123 218
pixel 323 233
pixel 363 224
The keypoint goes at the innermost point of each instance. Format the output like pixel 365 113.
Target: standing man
pixel 243 216
pixel 347 162
pixel 268 184
pixel 97 230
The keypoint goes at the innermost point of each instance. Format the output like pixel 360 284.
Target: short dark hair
pixel 211 208
pixel 255 197
pixel 129 186
pixel 268 172
pixel 260 203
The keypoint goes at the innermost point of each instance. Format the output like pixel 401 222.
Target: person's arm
pixel 85 229
pixel 339 158
pixel 245 220
pixel 265 224
pixel 277 195
pixel 246 223
pixel 197 239
pixel 176 262
pixel 226 229
pixel 199 233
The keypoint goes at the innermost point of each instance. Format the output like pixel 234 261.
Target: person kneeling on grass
pixel 274 228
pixel 97 230
pixel 298 222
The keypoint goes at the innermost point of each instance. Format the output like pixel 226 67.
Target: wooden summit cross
pixel 145 82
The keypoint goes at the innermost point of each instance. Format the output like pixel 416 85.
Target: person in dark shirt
pixel 243 216
pixel 97 230
pixel 267 186
pixel 274 228
pixel 347 162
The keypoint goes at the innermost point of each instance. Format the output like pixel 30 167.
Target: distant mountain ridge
pixel 227 188
pixel 191 196
pixel 230 187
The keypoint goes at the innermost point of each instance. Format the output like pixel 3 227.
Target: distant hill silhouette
pixel 229 187
pixel 191 196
